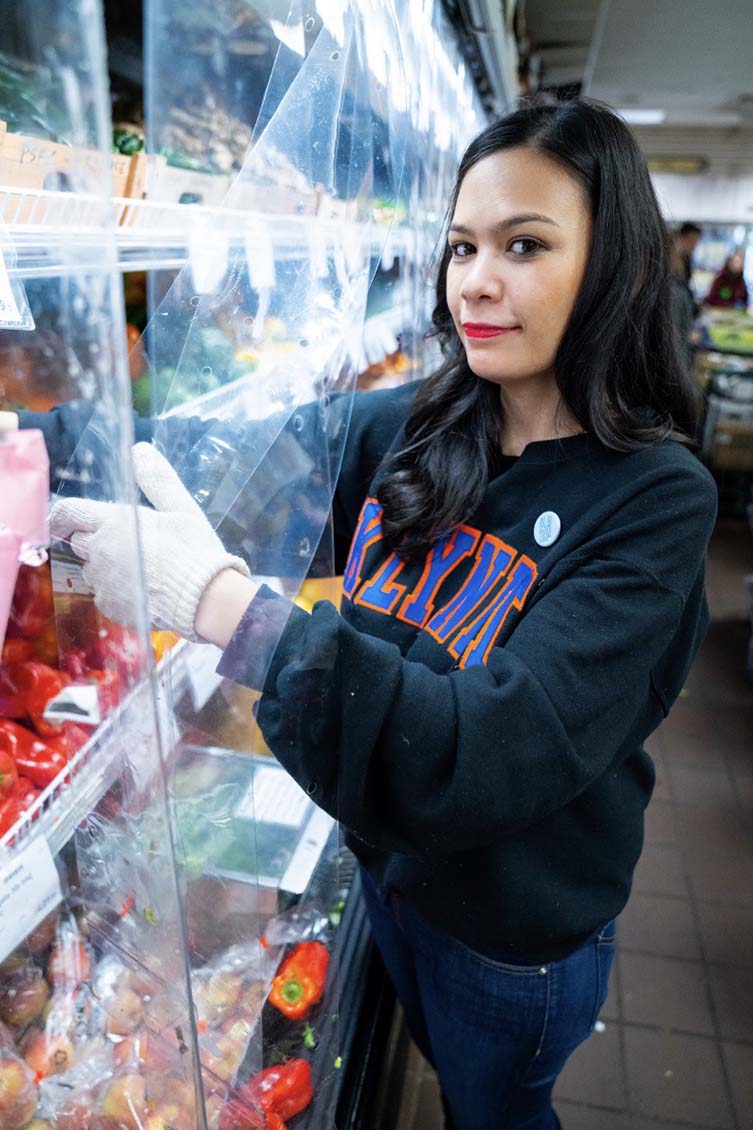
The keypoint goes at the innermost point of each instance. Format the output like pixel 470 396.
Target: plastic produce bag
pixel 23 509
pixel 18 1091
pixel 10 545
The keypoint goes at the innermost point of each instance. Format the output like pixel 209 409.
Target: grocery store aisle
pixel 674 1045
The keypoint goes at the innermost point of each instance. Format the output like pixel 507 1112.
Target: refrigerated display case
pixel 162 878
pixel 92 935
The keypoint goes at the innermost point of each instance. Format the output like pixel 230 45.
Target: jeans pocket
pixel 604 951
pixel 607 935
pixel 500 966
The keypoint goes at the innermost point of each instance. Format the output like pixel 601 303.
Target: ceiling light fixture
pixel 635 117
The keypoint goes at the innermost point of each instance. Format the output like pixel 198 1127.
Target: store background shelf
pixel 49 233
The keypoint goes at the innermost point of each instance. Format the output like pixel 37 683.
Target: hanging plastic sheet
pixel 251 357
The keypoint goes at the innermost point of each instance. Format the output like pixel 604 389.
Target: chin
pixel 495 374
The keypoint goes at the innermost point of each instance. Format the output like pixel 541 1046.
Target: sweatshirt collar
pixel 555 450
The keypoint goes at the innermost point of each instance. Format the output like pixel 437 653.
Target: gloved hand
pixel 180 550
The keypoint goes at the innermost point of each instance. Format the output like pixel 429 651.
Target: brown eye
pixel 524 247
pixel 461 250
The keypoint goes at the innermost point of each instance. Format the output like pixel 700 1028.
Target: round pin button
pixel 547 528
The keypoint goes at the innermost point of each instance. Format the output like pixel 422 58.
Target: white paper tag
pixel 201 661
pixel 273 798
pixel 260 256
pixel 78 703
pixel 11 317
pixel 208 257
pixel 29 890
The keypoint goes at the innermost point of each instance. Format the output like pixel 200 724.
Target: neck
pixel 533 411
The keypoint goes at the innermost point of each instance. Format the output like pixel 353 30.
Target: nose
pixel 481 280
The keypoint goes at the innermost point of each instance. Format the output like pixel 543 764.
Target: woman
pixel 523 599
pixel 728 287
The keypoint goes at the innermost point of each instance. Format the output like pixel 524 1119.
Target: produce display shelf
pixel 70 798
pixel 45 233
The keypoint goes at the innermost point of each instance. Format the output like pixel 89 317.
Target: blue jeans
pixel 497 1034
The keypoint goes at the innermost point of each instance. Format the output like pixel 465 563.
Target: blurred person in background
pixel 728 288
pixel 685 243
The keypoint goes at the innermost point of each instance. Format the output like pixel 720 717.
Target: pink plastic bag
pixel 10 547
pixel 25 491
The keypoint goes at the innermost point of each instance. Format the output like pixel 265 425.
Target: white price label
pixel 273 798
pixel 260 256
pixel 75 704
pixel 29 891
pixel 10 315
pixel 201 667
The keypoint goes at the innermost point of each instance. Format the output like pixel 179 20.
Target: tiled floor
pixel 674 1046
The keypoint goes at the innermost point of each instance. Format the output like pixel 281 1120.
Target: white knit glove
pixel 180 550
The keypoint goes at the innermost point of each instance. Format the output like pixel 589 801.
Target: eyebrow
pixel 510 222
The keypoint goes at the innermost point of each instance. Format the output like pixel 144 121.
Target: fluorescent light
pixel 635 117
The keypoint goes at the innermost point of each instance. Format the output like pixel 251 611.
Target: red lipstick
pixel 483 329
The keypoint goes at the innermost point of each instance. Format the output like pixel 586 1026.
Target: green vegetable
pixel 336 913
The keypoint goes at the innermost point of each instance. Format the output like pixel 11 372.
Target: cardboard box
pixel 33 163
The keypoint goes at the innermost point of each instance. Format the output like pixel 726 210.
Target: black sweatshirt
pixel 476 722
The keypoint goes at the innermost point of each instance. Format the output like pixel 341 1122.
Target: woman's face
pixel 735 264
pixel 520 239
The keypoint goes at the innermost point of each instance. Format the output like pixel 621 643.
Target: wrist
pixel 221 607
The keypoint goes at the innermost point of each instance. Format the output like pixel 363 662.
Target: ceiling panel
pixel 691 58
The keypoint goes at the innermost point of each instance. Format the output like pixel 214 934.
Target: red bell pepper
pixel 12 698
pixel 10 811
pixel 39 762
pixel 238 1115
pixel 16 651
pixel 13 807
pixel 300 981
pixel 278 1092
pixel 39 683
pixel 25 793
pixel 70 739
pixel 284 1090
pixel 8 774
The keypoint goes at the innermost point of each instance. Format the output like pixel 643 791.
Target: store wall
pixel 712 198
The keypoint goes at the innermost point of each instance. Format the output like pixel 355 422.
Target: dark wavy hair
pixel 618 366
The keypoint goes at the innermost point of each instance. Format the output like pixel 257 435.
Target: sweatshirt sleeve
pixel 424 762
